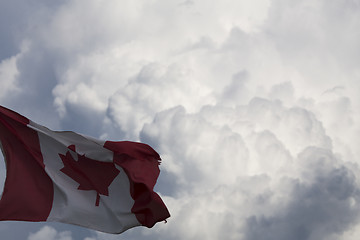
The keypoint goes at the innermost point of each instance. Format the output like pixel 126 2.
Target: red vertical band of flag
pixel 28 190
pixel 140 163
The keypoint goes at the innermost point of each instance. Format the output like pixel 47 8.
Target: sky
pixel 253 105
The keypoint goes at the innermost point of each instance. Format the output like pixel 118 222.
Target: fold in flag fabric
pixel 70 178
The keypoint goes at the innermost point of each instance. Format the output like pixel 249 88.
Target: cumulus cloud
pixel 254 176
pixel 49 233
pixel 8 72
pixel 253 105
pixel 307 214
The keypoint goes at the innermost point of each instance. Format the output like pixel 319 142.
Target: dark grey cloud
pixel 323 205
pixel 16 20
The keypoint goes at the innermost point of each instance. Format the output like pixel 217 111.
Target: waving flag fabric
pixel 71 178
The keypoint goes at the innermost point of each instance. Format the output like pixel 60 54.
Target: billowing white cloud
pixel 156 88
pixel 8 72
pixel 49 233
pixel 253 105
pixel 267 169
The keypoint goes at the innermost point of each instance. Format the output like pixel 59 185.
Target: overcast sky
pixel 253 105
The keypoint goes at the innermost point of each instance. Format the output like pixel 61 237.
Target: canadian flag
pixel 71 178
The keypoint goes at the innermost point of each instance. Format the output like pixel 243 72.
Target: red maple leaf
pixel 89 173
